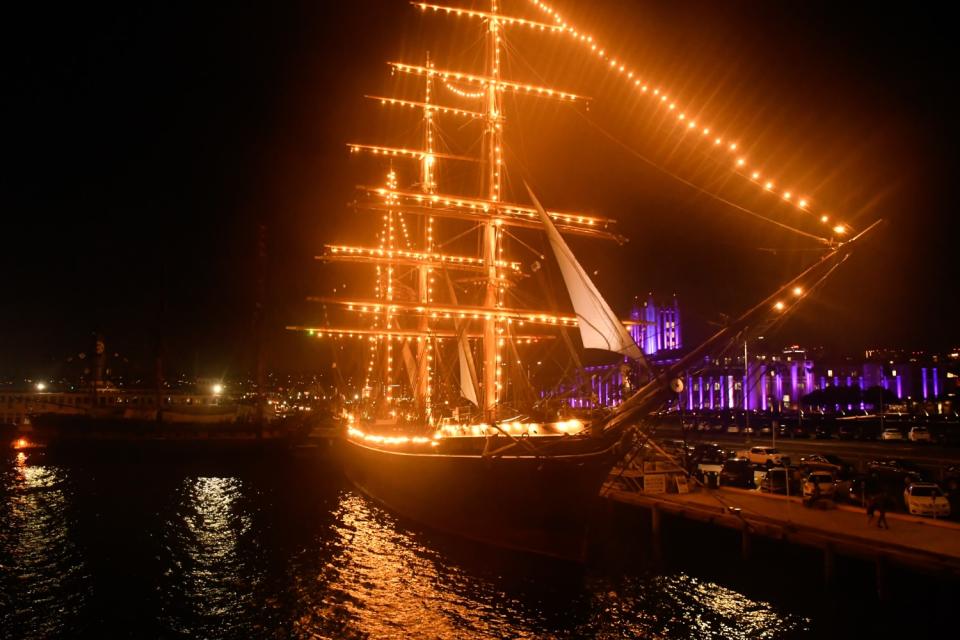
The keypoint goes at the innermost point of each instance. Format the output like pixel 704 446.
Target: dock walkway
pixel 922 543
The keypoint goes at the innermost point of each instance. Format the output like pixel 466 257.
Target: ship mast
pixel 492 179
pixel 428 184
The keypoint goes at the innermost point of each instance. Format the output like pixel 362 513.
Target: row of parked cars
pixel 852 425
pixel 903 483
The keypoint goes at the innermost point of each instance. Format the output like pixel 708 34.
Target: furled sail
pixel 410 363
pixel 468 379
pixel 599 327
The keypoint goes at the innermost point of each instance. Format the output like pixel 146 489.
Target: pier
pixel 921 544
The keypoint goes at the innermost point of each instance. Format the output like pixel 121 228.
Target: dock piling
pixel 883 590
pixel 829 564
pixel 745 541
pixel 655 527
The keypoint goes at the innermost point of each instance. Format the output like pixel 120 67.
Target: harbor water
pixel 127 546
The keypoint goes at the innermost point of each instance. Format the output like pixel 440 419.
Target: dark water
pixel 282 547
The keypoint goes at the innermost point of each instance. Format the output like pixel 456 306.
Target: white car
pixel 926 499
pixel 733 428
pixel 891 434
pixel 822 480
pixel 763 455
pixel 918 434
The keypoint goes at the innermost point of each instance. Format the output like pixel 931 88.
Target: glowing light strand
pixel 400 335
pixel 417 256
pixel 499 17
pixel 401 152
pixel 433 108
pixel 738 165
pixel 469 95
pixel 485 81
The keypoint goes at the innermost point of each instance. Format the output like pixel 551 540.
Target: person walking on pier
pixel 882 510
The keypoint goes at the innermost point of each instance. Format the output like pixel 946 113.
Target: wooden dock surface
pixel 923 543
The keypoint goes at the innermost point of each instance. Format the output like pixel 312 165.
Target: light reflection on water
pixel 209 577
pixel 385 583
pixel 43 579
pixel 282 549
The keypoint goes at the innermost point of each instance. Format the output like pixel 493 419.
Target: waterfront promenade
pixel 921 543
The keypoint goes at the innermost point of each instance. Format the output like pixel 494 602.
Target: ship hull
pixel 540 504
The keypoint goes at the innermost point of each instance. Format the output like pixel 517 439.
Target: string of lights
pixel 469 95
pixel 456 312
pixel 401 152
pixel 487 81
pixel 486 15
pixel 738 163
pixel 489 206
pixel 402 335
pixel 429 107
pixel 424 257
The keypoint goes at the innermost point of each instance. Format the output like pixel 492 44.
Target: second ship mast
pixel 492 166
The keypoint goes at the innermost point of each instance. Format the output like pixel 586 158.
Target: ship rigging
pixel 515 477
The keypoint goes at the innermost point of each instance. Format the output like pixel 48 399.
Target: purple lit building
pixel 772 381
pixel 656 331
pixel 658 327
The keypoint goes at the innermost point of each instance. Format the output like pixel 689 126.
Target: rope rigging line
pixel 626 147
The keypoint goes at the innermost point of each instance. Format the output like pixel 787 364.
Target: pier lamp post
pixel 746 393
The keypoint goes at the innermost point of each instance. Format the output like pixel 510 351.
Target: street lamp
pixel 217 389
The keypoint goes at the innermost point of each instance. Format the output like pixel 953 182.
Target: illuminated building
pixel 776 382
pixel 656 330
pixel 658 327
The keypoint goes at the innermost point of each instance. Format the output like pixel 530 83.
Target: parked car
pixel 737 472
pixel 819 462
pixel 918 434
pixel 899 465
pixel 857 490
pixel 926 499
pixel 891 434
pixel 733 428
pixel 893 475
pixel 822 480
pixel 800 431
pixel 764 456
pixel 707 462
pixel 707 451
pixel 847 431
pixel 775 480
pixel 822 432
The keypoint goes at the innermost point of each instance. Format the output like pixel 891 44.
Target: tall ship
pixel 442 424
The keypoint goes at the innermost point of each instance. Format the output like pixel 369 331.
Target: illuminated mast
pixel 428 185
pixel 492 179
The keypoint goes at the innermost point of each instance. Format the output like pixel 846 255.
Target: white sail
pixel 410 363
pixel 468 381
pixel 599 327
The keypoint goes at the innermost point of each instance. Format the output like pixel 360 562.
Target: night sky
pixel 144 142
